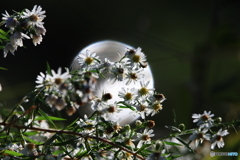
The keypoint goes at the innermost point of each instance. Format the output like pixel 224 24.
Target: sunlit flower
pixel 127 94
pixel 88 59
pixel 145 137
pixel 203 120
pixel 35 17
pixel 105 66
pixel 217 138
pixel 137 57
pixel 144 90
pixel 134 76
pixel 154 108
pixel 59 77
pixel 199 135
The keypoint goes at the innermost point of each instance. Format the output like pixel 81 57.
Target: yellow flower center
pixel 136 58
pixel 34 18
pixel 143 91
pixel 89 60
pixel 128 96
pixel 157 106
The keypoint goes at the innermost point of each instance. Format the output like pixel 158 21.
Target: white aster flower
pixel 217 139
pixel 59 77
pixel 128 95
pixel 88 60
pixel 44 80
pixel 144 90
pixel 16 38
pixel 9 48
pixel 35 17
pixel 154 108
pixel 199 136
pixel 137 58
pixel 203 120
pixel 105 66
pixel 134 76
pixel 110 110
pixel 10 21
pixel 145 137
pixel 36 39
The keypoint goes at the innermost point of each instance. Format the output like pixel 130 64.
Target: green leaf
pixel 31 141
pixel 30 133
pixel 126 106
pixel 3 68
pixel 49 69
pixel 46 117
pixel 172 143
pixel 51 117
pixel 12 153
pixel 185 144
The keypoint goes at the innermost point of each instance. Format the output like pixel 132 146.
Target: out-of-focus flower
pixel 217 139
pixel 199 136
pixel 43 80
pixel 36 39
pixel 16 38
pixel 9 48
pixel 10 21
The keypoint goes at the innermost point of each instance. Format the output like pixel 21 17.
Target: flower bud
pixel 150 124
pixel 181 126
pixel 138 123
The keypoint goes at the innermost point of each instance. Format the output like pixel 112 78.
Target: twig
pixel 73 133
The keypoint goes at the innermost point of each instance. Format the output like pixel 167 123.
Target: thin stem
pixel 73 133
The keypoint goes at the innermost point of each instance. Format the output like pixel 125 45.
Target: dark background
pixel 193 49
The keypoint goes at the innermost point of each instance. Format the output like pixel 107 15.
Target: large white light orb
pixel 113 50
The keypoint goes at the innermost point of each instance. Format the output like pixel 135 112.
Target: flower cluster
pixel 76 88
pixel 23 25
pixel 27 132
pixel 205 123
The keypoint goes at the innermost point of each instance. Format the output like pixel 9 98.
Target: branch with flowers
pixel 30 133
